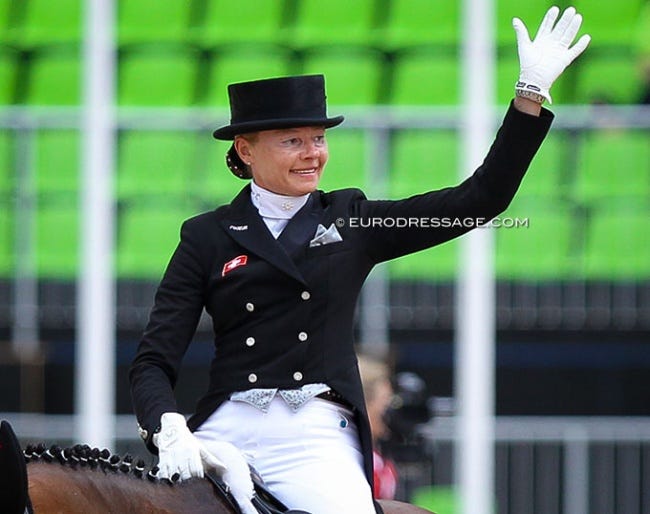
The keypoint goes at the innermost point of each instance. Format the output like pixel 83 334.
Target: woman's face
pixel 285 161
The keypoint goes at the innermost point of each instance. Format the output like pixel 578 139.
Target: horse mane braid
pixel 83 456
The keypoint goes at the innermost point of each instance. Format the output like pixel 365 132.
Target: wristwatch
pixel 530 91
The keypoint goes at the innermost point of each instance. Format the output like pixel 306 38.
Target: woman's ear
pixel 243 147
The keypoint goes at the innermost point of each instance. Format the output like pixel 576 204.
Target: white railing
pixel 561 465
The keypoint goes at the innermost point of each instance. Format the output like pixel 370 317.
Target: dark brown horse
pixel 82 480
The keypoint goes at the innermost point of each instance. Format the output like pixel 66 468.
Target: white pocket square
pixel 325 236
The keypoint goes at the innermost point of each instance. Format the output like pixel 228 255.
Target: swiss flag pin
pixel 240 260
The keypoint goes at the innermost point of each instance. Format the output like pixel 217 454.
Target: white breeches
pixel 310 459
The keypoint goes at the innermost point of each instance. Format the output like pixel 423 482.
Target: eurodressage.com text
pixel 415 222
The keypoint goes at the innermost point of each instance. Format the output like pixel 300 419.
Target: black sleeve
pixel 172 323
pixel 484 195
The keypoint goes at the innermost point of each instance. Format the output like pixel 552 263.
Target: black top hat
pixel 283 102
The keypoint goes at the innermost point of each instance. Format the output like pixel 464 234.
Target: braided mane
pixel 83 456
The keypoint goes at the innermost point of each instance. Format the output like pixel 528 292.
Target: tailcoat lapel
pixel 244 224
pixel 301 228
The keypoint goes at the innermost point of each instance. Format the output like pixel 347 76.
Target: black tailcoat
pixel 279 295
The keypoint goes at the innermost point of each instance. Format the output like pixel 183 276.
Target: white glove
pixel 237 476
pixel 544 59
pixel 180 452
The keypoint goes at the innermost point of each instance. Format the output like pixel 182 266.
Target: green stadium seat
pixel 7 231
pixel 334 22
pixel 58 163
pixel 421 22
pixel 8 71
pixel 613 164
pixel 507 73
pixel 55 74
pixel 42 22
pixel 158 75
pixel 434 264
pixel 218 185
pixel 57 236
pixel 543 250
pixel 346 166
pixel 353 75
pixel 6 10
pixel 155 164
pixel 240 63
pixel 609 78
pixel 547 176
pixel 225 22
pixel 7 202
pixel 438 499
pixel 618 245
pixel 146 20
pixel 6 165
pixel 642 30
pixel 423 160
pixel 425 78
pixel 531 13
pixel 609 26
pixel 146 239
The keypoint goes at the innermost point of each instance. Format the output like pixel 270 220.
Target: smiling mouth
pixel 305 172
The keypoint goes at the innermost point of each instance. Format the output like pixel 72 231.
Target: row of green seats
pixel 145 236
pixel 301 22
pixel 590 221
pixel 615 246
pixel 593 167
pixel 609 165
pixel 150 164
pixel 554 245
pixel 181 75
pixel 616 239
pixel 155 166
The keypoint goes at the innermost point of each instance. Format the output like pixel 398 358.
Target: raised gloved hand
pixel 545 58
pixel 180 452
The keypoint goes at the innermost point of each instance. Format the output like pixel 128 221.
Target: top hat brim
pixel 229 132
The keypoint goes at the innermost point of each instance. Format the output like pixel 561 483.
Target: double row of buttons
pixel 302 336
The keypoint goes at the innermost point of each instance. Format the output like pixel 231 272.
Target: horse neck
pixel 57 488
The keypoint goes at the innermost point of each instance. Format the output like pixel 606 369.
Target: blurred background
pixel 572 289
